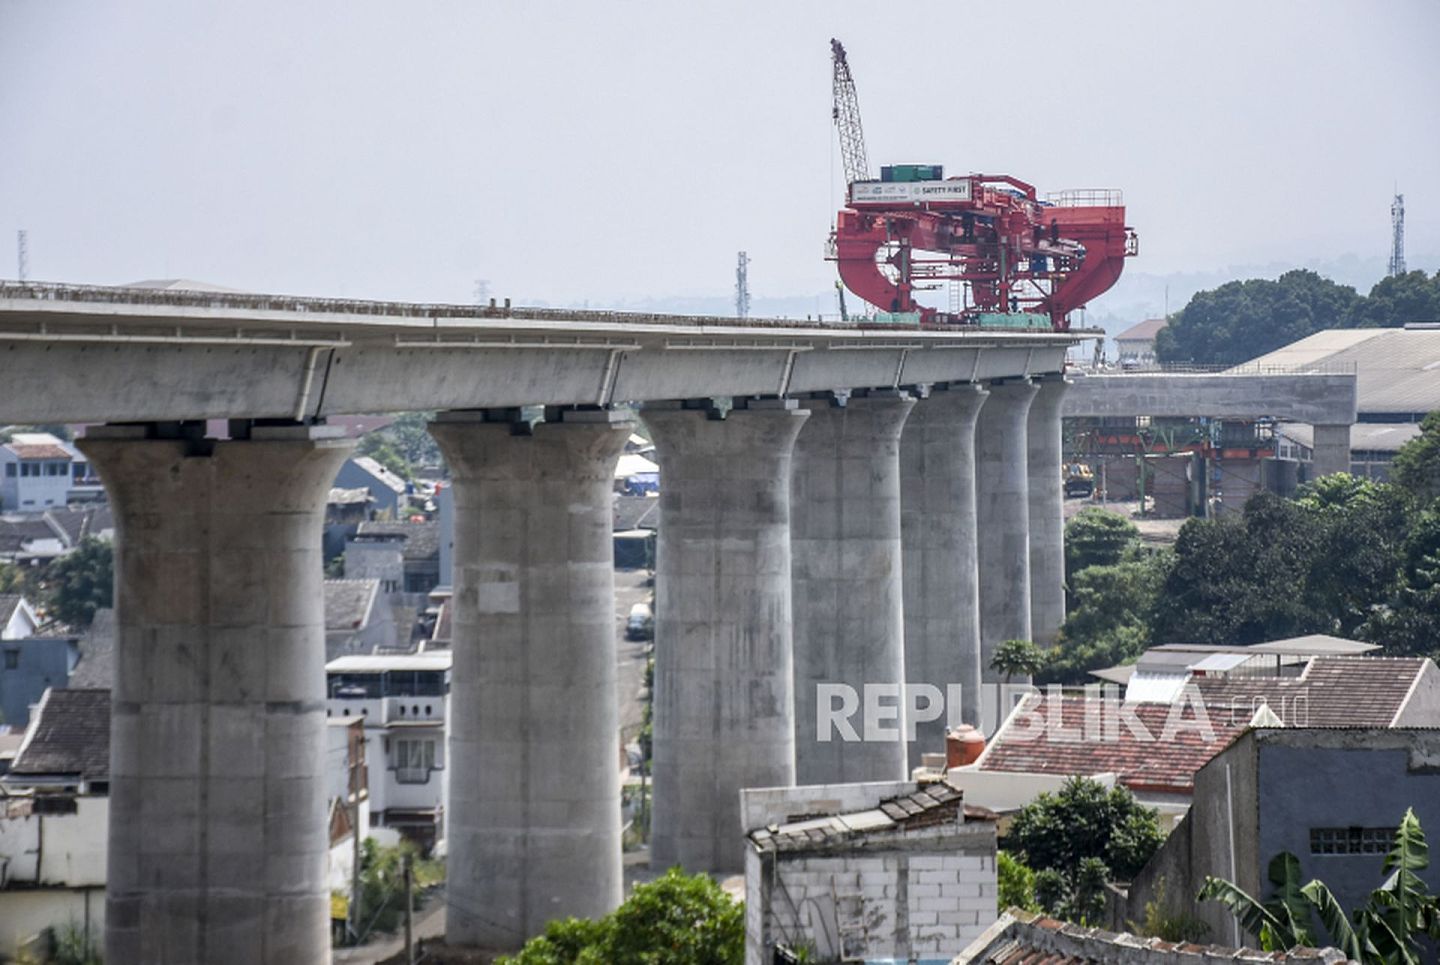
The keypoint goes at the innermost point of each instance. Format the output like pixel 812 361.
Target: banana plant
pixel 1385 931
pixel 1283 921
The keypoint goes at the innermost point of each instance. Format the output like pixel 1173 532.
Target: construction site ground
pixel 1157 531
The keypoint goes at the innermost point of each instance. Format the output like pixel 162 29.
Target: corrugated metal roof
pixel 1396 369
pixel 1364 436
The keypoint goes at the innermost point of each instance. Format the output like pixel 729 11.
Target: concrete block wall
pixel 903 902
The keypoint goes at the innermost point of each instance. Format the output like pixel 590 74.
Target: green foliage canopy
pixel 1083 820
pixel 80 582
pixel 1013 657
pixel 1113 608
pixel 1416 469
pixel 1097 537
pixel 1243 319
pixel 676 919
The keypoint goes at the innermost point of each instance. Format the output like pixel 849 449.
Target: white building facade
pixel 403 700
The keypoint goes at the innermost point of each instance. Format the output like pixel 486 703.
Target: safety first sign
pixel 908 192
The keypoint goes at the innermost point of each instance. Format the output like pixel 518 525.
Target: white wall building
pixel 54 816
pixel 39 471
pixel 404 702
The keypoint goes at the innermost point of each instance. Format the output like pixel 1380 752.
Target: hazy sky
pixel 607 151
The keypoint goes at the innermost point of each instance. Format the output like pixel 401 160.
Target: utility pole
pixel 22 254
pixel 409 909
pixel 357 757
pixel 742 286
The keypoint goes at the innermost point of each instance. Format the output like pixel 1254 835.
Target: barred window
pixel 1351 840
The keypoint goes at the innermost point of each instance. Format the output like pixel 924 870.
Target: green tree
pixel 1084 820
pixel 1384 931
pixel 1409 624
pixel 1398 299
pixel 410 435
pixel 1097 537
pixel 1017 657
pixel 1243 319
pixel 1416 468
pixel 676 919
pixel 79 583
pixel 1242 581
pixel 13 579
pixel 1109 623
pixel 1015 882
pixel 1359 527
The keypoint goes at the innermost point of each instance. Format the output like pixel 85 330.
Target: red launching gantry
pixel 1012 259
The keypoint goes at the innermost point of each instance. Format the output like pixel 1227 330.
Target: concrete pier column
pixel 533 819
pixel 1332 450
pixel 937 526
pixel 1047 512
pixel 1002 506
pixel 724 698
pixel 218 835
pixel 849 609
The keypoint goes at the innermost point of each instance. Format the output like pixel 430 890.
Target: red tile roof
pixel 1077 735
pixel 38 451
pixel 1332 692
pixel 1352 691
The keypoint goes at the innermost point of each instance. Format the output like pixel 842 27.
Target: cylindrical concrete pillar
pixel 849 609
pixel 937 524
pixel 1002 506
pixel 218 836
pixel 723 685
pixel 1047 512
pixel 533 821
pixel 1332 450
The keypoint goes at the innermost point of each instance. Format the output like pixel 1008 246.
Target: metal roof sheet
pixel 1364 436
pixel 379 663
pixel 1155 688
pixel 1396 369
pixel 1219 662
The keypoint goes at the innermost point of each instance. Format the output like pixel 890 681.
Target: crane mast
pixel 845 111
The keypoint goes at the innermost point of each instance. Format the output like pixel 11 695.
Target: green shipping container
pixel 912 172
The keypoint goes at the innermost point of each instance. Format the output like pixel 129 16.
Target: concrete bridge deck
pixel 1326 400
pixel 86 353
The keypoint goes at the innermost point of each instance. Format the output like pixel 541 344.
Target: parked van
pixel 641 625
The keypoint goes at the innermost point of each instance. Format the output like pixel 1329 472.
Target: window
pixel 1351 840
pixel 414 760
pixel 12 659
pixel 10 469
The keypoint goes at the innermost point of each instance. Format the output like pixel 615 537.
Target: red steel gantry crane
pixel 1020 261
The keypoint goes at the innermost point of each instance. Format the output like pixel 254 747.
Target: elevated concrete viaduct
pixel 827 492
pixel 1326 401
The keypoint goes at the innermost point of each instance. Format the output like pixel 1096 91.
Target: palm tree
pixel 1382 932
pixel 1017 657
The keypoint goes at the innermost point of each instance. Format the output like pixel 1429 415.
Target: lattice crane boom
pixel 846 114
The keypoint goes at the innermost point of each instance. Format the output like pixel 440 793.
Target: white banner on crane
pixel 906 192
